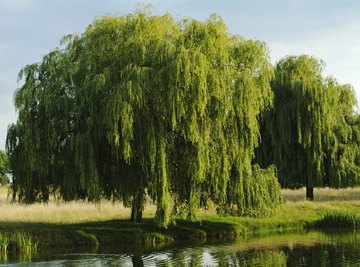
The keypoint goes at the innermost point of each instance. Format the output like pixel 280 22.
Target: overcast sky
pixel 327 29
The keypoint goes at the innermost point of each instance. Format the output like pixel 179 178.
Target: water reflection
pixel 297 249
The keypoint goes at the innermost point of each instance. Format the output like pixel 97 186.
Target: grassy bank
pixel 79 224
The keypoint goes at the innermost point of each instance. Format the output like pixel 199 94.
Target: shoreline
pixel 59 225
pixel 305 216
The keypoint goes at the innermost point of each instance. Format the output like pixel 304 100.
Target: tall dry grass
pixel 64 213
pixel 78 211
pixel 322 194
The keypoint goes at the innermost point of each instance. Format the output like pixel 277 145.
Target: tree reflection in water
pixel 301 249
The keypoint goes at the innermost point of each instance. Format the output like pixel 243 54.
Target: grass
pixel 73 212
pixel 63 213
pixel 75 224
pixel 24 242
pixel 4 244
pixel 80 212
pixel 17 242
pixel 322 194
pixel 343 219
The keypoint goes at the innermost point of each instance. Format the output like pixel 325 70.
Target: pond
pixel 313 248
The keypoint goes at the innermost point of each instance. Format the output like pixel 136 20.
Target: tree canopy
pixel 143 106
pixel 4 167
pixel 343 153
pixel 311 132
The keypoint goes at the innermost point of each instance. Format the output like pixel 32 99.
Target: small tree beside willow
pixel 142 107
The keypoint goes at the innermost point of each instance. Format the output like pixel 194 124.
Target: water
pixel 313 248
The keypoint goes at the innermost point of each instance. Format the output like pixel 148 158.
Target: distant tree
pixel 342 161
pixel 145 106
pixel 310 134
pixel 4 167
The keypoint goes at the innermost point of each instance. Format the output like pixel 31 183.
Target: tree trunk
pixel 132 214
pixel 137 209
pixel 309 193
pixel 139 216
pixel 136 214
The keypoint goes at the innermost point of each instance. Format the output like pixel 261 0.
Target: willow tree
pixel 145 106
pixel 342 163
pixel 307 129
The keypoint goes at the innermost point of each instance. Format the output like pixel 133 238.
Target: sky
pixel 326 29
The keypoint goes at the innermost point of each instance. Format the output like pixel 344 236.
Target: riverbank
pixel 76 224
pixel 293 216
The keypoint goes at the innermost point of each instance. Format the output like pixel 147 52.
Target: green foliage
pixel 339 220
pixel 4 244
pixel 345 157
pixel 311 134
pixel 17 242
pixel 142 106
pixel 25 243
pixel 4 167
pixel 263 183
pixel 301 118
